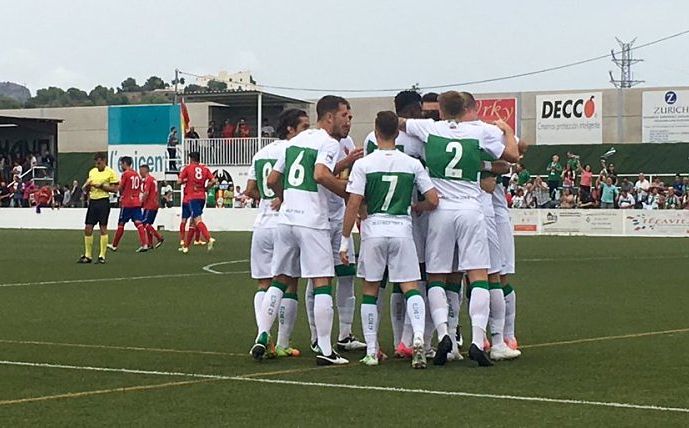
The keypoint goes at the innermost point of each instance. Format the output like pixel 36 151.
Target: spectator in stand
pixel 612 174
pixel 243 130
pixel 49 161
pixel 625 201
pixel 573 161
pixel 586 199
pixel 172 142
pixel 29 189
pixel 228 129
pixel 541 194
pixel 66 195
pixel 523 174
pixel 518 199
pixel 192 134
pixel 239 197
pixel 608 193
pixel 651 202
pixel 5 195
pixel 513 185
pixel 33 161
pixel 211 132
pixel 228 197
pixel 76 197
pixel 17 189
pixel 672 201
pixel 17 169
pixel 58 195
pixel 586 179
pixel 641 186
pixel 678 185
pixel 626 185
pixel 685 201
pixel 567 200
pixel 166 195
pixel 568 177
pixel 554 175
pixel 529 197
pixel 267 130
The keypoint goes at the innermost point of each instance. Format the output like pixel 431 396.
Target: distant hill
pixel 15 91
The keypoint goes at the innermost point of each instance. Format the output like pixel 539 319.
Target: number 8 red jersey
pixel 194 176
pixel 130 189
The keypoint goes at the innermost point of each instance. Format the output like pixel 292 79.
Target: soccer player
pixel 130 205
pixel 44 198
pixel 385 181
pixel 101 181
pixel 150 201
pixel 290 124
pixel 196 178
pixel 303 247
pixel 453 156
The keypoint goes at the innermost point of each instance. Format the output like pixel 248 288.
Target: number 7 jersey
pixel 387 179
pixel 262 165
pixel 305 201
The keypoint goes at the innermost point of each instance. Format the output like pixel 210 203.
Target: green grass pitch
pixel 153 340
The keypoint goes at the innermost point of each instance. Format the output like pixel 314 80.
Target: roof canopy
pixel 243 98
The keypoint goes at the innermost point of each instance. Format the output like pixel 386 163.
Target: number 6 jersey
pixel 386 179
pixel 305 201
pixel 262 165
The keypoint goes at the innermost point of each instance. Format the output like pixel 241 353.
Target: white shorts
pixel 302 252
pixel 419 225
pixel 464 229
pixel 397 254
pixel 335 240
pixel 494 251
pixel 506 239
pixel 262 242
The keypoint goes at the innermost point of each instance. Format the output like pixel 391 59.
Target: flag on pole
pixel 185 121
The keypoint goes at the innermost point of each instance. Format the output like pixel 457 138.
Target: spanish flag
pixel 185 122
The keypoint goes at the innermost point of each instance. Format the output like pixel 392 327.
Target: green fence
pixel 73 166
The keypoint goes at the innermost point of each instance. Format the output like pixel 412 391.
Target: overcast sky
pixel 356 44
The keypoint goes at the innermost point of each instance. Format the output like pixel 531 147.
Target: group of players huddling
pixel 139 203
pixel 425 198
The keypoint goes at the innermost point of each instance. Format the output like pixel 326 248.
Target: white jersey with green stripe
pixel 453 156
pixel 404 142
pixel 305 201
pixel 261 166
pixel 336 205
pixel 502 211
pixel 386 179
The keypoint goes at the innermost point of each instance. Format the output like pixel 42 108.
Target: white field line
pixel 355 387
pixel 604 338
pixel 209 268
pixel 595 259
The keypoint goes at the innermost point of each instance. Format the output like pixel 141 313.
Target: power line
pixel 476 82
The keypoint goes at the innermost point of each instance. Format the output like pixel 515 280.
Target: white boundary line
pixel 593 259
pixel 354 387
pixel 209 268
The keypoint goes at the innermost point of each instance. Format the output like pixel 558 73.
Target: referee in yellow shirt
pixel 101 182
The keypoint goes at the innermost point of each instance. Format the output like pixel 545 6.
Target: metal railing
pixel 226 151
pixel 38 173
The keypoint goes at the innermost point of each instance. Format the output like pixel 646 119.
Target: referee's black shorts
pixel 98 212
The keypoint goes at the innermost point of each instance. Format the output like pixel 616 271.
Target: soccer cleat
pixel 315 348
pixel 418 360
pixel 210 243
pixel 369 360
pixel 460 338
pixel 84 260
pixel 382 356
pixel 479 356
pixel 100 261
pixel 281 352
pixel 184 250
pixel 444 347
pixel 503 352
pixel 112 248
pixel 271 353
pixel 142 249
pixel 159 243
pixel 454 355
pixel 430 353
pixel 350 343
pixel 181 243
pixel 329 360
pixel 259 349
pixel 403 351
pixel 512 343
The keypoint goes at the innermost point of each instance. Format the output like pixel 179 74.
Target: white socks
pixel 479 310
pixel 288 315
pixel 510 312
pixel 437 302
pixel 258 301
pixel 428 327
pixel 397 314
pixel 309 310
pixel 369 323
pixel 346 303
pixel 497 314
pixel 453 312
pixel 270 307
pixel 416 311
pixel 323 317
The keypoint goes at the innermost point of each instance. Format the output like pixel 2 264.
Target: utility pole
pixel 176 83
pixel 626 80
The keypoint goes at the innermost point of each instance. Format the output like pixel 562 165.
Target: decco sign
pixel 569 118
pixel 569 108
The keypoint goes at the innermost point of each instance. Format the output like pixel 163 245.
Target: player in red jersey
pixel 196 178
pixel 149 197
pixel 130 205
pixel 43 198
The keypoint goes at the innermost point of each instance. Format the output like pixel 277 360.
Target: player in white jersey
pixel 302 246
pixel 453 156
pixel 290 124
pixel 407 105
pixel 385 182
pixel 344 292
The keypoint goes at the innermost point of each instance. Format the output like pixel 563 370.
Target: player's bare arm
pixel 499 167
pixel 403 124
pixel 348 161
pixel 325 177
pixel 252 190
pixel 351 215
pixel 430 202
pixel 511 153
pixel 488 184
pixel 275 183
pixel 211 183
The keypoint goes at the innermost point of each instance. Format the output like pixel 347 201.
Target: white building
pixel 240 81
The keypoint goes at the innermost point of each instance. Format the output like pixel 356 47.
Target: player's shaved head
pixel 451 105
pixel 330 104
pixel 387 125
pixel 289 121
pixel 194 156
pixel 408 104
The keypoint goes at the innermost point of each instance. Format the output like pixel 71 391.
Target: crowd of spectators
pixel 223 195
pixel 577 186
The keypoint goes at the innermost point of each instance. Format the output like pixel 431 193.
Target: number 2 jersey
pixel 262 165
pixel 305 201
pixel 387 179
pixel 453 156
